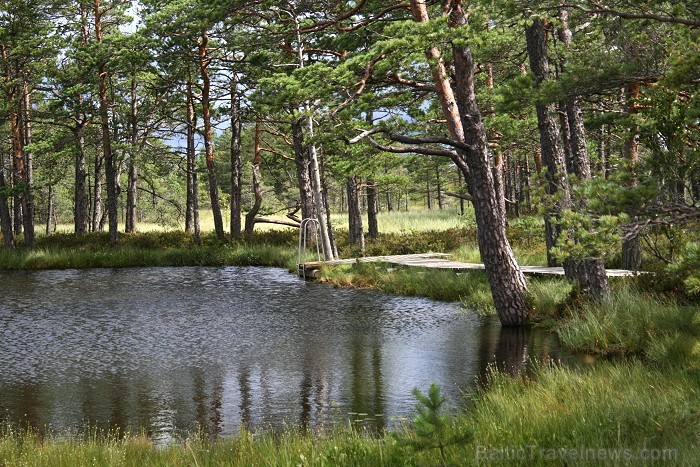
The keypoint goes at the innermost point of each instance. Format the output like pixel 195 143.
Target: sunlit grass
pixel 622 405
pixel 631 322
pixel 132 256
pixel 291 448
pixel 388 221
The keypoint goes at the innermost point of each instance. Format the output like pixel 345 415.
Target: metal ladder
pixel 303 238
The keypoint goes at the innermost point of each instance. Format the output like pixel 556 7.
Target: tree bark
pixel 192 210
pixel 28 160
pixel 236 166
pixel 372 224
pixel 257 192
pixel 204 61
pixel 97 194
pixel 5 216
pixel 302 162
pixel 552 151
pixel 589 273
pixel 355 228
pixel 507 282
pixel 631 243
pixel 329 222
pixel 49 209
pixel 16 156
pixel 315 171
pixel 80 202
pixel 110 169
pixel 133 176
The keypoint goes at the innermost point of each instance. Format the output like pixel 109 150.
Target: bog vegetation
pixel 501 131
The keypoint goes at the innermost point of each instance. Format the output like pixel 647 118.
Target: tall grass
pixel 291 448
pixel 131 256
pixel 613 406
pixel 631 322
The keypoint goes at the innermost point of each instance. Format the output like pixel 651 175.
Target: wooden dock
pixel 437 261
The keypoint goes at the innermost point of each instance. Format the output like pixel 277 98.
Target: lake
pixel 169 351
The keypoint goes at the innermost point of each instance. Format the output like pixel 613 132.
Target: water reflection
pixel 172 350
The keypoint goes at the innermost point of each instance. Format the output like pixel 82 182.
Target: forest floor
pixel 639 403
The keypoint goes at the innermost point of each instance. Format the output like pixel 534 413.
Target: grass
pixel 158 248
pixel 252 255
pixel 288 449
pixel 614 405
pixel 641 398
pixel 634 323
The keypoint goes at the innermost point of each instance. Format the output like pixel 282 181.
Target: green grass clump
pixel 128 256
pixel 631 322
pixel 471 288
pixel 548 296
pixel 291 448
pixel 623 405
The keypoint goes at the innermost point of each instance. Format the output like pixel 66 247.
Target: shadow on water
pixel 170 351
pixel 516 350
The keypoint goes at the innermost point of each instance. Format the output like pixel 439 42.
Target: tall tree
pixel 468 138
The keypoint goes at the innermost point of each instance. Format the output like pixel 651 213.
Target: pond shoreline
pixel 660 376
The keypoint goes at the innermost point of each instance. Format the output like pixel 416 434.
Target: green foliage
pixel 687 270
pixel 431 429
pixel 63 251
pixel 548 297
pixel 630 322
pixel 621 407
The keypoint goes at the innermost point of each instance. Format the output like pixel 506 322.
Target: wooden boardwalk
pixel 438 261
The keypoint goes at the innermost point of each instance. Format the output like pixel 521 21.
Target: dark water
pixel 171 350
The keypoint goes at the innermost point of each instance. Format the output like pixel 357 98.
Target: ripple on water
pixel 172 349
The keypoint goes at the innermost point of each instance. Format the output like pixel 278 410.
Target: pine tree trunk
pixel 81 192
pixel 97 194
pixel 427 192
pixel 208 142
pixel 257 192
pixel 236 165
pixel 315 171
pixel 49 209
pixel 355 228
pixel 507 283
pixel 81 203
pixel 5 216
pixel 28 198
pixel 499 185
pixel 552 151
pixel 133 176
pixel 110 169
pixel 192 209
pixel 438 187
pixel 372 224
pixel 631 243
pixel 131 197
pixel 301 160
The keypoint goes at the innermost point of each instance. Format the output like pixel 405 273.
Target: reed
pixel 632 322
pixel 627 409
pixel 132 256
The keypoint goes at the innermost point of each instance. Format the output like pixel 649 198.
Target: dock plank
pixel 440 261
